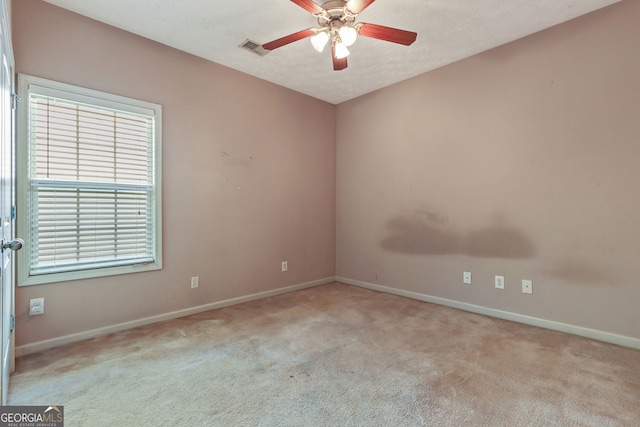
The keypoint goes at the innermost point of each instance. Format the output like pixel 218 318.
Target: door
pixel 7 212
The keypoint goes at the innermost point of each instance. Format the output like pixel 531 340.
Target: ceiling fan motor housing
pixel 335 10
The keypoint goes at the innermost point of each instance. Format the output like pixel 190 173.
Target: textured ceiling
pixel 448 30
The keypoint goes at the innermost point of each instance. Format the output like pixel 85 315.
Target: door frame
pixel 7 136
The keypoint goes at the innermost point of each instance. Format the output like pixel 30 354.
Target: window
pixel 89 183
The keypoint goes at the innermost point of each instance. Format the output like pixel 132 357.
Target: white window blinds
pixel 92 195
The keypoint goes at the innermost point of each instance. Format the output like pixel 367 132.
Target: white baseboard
pixel 38 346
pixel 506 315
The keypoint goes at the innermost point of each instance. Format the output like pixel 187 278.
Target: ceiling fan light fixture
pixel 341 51
pixel 319 41
pixel 348 35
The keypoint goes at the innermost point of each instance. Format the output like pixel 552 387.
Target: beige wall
pixel 248 182
pixel 522 162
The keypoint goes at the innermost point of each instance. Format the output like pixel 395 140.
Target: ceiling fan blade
pixel 309 6
pixel 288 39
pixel 357 6
pixel 387 33
pixel 338 64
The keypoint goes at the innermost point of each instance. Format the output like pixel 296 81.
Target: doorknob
pixel 14 245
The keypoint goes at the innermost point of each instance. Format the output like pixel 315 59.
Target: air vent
pixel 254 47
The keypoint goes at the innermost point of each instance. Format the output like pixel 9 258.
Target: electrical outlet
pixel 36 306
pixel 527 287
pixel 195 282
pixel 285 267
pixel 466 277
pixel 499 282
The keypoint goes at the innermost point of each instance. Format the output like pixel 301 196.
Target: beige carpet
pixel 335 355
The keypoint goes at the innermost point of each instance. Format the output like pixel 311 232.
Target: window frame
pixel 26 84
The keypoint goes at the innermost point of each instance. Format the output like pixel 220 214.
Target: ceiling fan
pixel 337 25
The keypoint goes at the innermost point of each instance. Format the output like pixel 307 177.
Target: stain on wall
pixel 583 273
pixel 426 233
pixel 413 235
pixel 498 241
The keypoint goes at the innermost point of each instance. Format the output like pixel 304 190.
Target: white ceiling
pixel 448 30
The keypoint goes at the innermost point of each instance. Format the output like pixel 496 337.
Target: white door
pixel 7 212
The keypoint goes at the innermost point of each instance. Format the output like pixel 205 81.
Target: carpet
pixel 335 355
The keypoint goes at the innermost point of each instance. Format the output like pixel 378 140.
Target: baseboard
pixel 506 315
pixel 38 346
